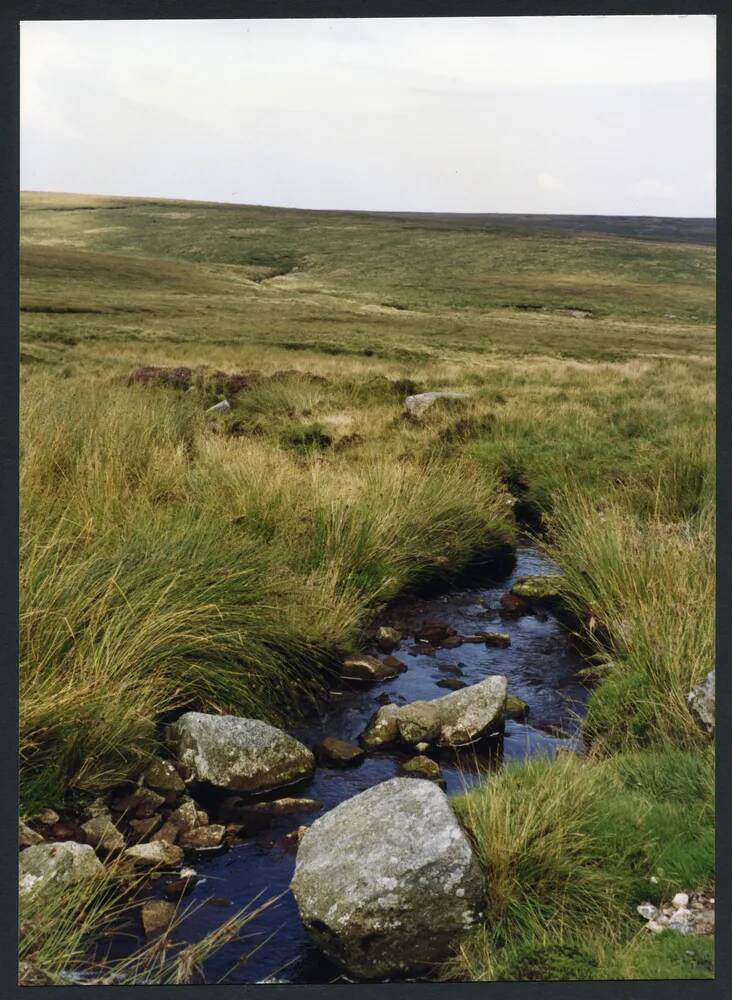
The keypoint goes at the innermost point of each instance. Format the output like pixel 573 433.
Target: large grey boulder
pixel 387 881
pixel 246 755
pixel 458 718
pixel 418 405
pixel 701 701
pixel 42 867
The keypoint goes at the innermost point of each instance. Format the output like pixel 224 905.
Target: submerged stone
pixel 539 588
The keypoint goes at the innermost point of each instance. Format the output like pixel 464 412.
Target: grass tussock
pixel 570 847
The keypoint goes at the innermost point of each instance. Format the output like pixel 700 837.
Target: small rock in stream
pixel 434 633
pixel 499 639
pixel 158 852
pixel 387 639
pixel 157 916
pixel 338 753
pixel 203 837
pixel 367 668
pixel 423 767
pixel 513 606
pixel 451 683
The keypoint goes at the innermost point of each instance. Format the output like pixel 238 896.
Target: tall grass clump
pixel 644 586
pixel 570 846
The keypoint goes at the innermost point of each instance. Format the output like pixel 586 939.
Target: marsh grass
pixel 63 933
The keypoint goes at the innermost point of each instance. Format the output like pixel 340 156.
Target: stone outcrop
pixel 387 880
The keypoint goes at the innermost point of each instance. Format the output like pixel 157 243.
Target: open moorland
pixel 176 558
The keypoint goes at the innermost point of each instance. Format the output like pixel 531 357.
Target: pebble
pixel 683 916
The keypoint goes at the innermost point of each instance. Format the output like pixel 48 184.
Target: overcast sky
pixel 606 115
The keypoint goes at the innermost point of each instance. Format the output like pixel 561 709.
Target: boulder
pixel 240 754
pixel 338 753
pixel 458 718
pixel 540 589
pixel 418 405
pixel 387 639
pixel 43 866
pixel 386 882
pixel 701 701
pixel 102 834
pixel 157 852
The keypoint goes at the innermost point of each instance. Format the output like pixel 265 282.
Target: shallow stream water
pixel 540 665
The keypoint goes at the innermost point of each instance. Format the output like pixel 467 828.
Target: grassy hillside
pixel 172 557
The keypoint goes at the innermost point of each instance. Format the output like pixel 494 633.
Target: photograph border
pixel 9 503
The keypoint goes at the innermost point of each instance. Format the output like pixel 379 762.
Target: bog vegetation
pixel 173 557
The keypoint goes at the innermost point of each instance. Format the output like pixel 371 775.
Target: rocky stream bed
pixel 478 636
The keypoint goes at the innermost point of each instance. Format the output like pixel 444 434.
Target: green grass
pixel 172 557
pixel 569 848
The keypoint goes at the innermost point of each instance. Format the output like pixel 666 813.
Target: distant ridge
pixel 665 229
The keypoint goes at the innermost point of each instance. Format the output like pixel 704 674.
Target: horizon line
pixel 368 211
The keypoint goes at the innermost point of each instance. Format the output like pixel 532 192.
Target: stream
pixel 540 665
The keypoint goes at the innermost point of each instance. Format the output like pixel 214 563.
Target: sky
pixel 579 115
